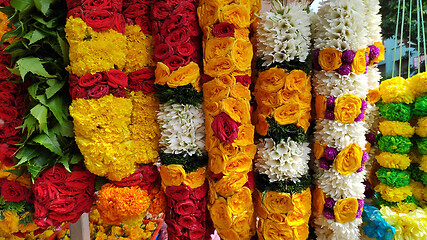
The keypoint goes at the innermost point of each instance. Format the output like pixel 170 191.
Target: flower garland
pixel 341 85
pixel 410 225
pixel 376 226
pixel 281 118
pixel 229 132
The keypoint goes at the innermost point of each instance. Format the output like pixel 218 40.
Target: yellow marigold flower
pixel 394 194
pixel 421 129
pixel 404 208
pixel 237 109
pixel 418 191
pixel 330 59
pixel 242 223
pixel 10 224
pixel 423 164
pixel 140 49
pixel 238 163
pixel 396 128
pixel 393 160
pixel 272 230
pixel 418 84
pixel 230 184
pixel 272 80
pixel 288 113
pixel 396 90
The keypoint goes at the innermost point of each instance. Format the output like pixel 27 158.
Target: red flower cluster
pixel 62 196
pixel 186 214
pixel 99 14
pixel 176 33
pixel 138 12
pixel 13 191
pixel 146 177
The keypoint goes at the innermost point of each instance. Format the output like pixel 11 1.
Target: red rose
pixel 12 191
pixel 223 30
pixel 187 221
pixel 73 80
pixel 216 177
pixel 40 211
pixel 162 51
pixel 206 78
pixel 134 85
pixel 161 10
pixel 56 175
pixel 117 5
pixel 150 176
pixel 8 113
pixel 132 180
pixel 158 39
pixel 59 218
pixel 80 180
pixel 174 62
pixel 4 72
pixel 73 3
pixel 201 204
pixel 197 232
pixel 43 222
pixel 172 23
pixel 145 23
pixel 148 87
pixel 98 91
pixel 78 92
pixel 6 155
pixel 245 80
pixel 97 4
pixel 136 10
pixel 251 180
pixel 119 92
pixel 76 12
pixel 5 57
pixel 186 49
pixel 84 202
pixel 119 23
pixel 225 128
pixel 178 193
pixel 194 28
pixel 90 80
pixel 99 20
pixel 142 74
pixel 185 207
pixel 10 130
pixel 62 204
pixel 186 9
pixel 116 78
pixel 10 87
pixel 6 99
pixel 200 192
pixel 173 228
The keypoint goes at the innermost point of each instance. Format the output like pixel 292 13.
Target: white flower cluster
pixel 340 25
pixel 372 115
pixel 328 229
pixel 338 186
pixel 284 35
pixel 334 84
pixel 374 77
pixel 287 160
pixel 182 129
pixel 373 21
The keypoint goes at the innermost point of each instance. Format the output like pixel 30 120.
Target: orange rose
pixel 302 201
pixel 184 75
pixel 219 66
pixel 382 51
pixel 212 108
pixel 217 161
pixel 275 231
pixel 295 218
pixel 319 150
pixel 358 65
pixel 214 91
pixel 287 114
pixel 240 92
pixel 242 54
pixel 249 150
pixel 345 210
pixel 349 159
pixel 260 209
pixel 162 73
pixel 277 217
pixel 267 98
pixel 241 223
pixel 196 179
pixel 212 193
pixel 229 149
pixel 304 121
pixel 241 201
pixel 228 234
pixel 211 142
pixel 228 185
pixel 217 47
pixel 320 105
pixel 238 15
pixel 239 163
pixel 286 96
pixel 172 175
pixel 277 202
pixel 318 201
pixel 304 99
pixel 347 108
pixel 228 80
pixel 297 80
pixel 220 214
pixel 237 109
pixel 300 232
pixel 330 59
pixel 272 80
pixel 245 135
pixel 374 95
pixel 208 12
pixel 262 126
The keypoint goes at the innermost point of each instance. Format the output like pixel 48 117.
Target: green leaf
pixel 50 142
pixel 29 124
pixel 21 4
pixel 42 99
pixel 40 113
pixel 64 48
pixel 26 154
pixel 36 164
pixel 55 86
pixel 65 161
pixel 64 129
pixel 34 36
pixel 43 5
pixel 34 170
pixel 33 65
pixel 57 106
pixel 27 219
pixel 32 90
pixel 76 158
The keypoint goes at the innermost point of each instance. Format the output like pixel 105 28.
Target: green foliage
pixel 190 163
pixel 395 111
pixel 420 106
pixel 263 184
pixel 183 95
pixel 291 65
pixel 20 208
pixel 393 177
pixel 39 56
pixel 394 144
pixel 282 132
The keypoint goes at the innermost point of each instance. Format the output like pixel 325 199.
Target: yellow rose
pixel 240 92
pixel 301 232
pixel 303 121
pixel 265 110
pixel 330 59
pixel 277 202
pixel 349 159
pixel 295 218
pixel 287 114
pixel 228 80
pixel 172 175
pixel 217 47
pixel 347 108
pixel 249 150
pixel 220 214
pixel 302 201
pixel 184 75
pixel 241 33
pixel 276 231
pixel 217 161
pixel 285 96
pixel 319 150
pixel 262 126
pixel 219 66
pixel 320 105
pixel 238 15
pixel 297 80
pixel 241 223
pixel 239 163
pixel 245 135
pixel 212 193
pixel 304 99
pixel 269 99
pixel 260 209
pixel 242 54
pixel 162 73
pixel 237 109
pixel 228 185
pixel 358 65
pixel 208 12
pixel 374 95
pixel 345 210
pixel 241 201
pixel 214 91
pixel 382 51
pixel 197 85
pixel 272 80
pixel 318 201
pixel 212 108
pixel 196 179
pixel 228 234
pixel 229 149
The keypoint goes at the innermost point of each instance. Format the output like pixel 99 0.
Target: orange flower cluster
pixel 282 215
pixel 157 201
pixel 284 95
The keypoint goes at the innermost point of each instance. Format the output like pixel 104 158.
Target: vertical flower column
pixel 283 98
pixel 341 86
pixel 229 132
pixel 178 53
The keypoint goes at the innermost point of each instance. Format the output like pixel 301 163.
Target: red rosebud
pixel 142 74
pixel 6 155
pixel 117 5
pixel 5 57
pixel 194 28
pixel 136 10
pixel 78 92
pixel 225 128
pixel 245 80
pixel 223 30
pixel 119 92
pixel 145 23
pixel 97 4
pixel 90 80
pixel 98 91
pixel 162 51
pixel 148 87
pixel 116 78
pixel 99 20
pixel 6 99
pixel 59 218
pixel 187 221
pixel 10 129
pixel 76 12
pixel 73 3
pixel 185 207
pixel 186 49
pixel 178 193
pixel 174 62
pixel 177 37
pixel 119 23
pixel 12 191
pixel 161 10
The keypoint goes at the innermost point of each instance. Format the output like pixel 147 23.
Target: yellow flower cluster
pixel 4 28
pixel 114 133
pixel 175 175
pixel 409 226
pixel 396 128
pixel 11 225
pixel 284 95
pixel 419 191
pixel 116 204
pixel 188 74
pixel 139 49
pixel 393 160
pixel 394 194
pixel 330 59
pixel 347 108
pixel 396 90
pixel 421 129
pixel 418 84
pixel 282 215
pixel 349 159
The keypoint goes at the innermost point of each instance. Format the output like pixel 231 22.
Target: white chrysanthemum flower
pixel 328 229
pixel 334 84
pixel 338 186
pixel 287 160
pixel 372 115
pixel 182 129
pixel 374 77
pixel 369 164
pixel 373 22
pixel 340 135
pixel 286 33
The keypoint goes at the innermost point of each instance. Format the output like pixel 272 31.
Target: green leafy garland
pixel 20 208
pixel 39 56
pixel 282 132
pixel 182 95
pixel 263 184
pixel 190 163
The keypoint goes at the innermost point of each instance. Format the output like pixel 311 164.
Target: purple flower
pixel 370 137
pixel 360 117
pixel 367 185
pixel 329 202
pixel 374 52
pixel 360 169
pixel 359 213
pixel 344 69
pixel 364 105
pixel 316 64
pixel 330 153
pixel 348 56
pixel 316 53
pixel 330 102
pixel 361 203
pixel 367 59
pixel 329 115
pixel 328 213
pixel 365 157
pixel 324 164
